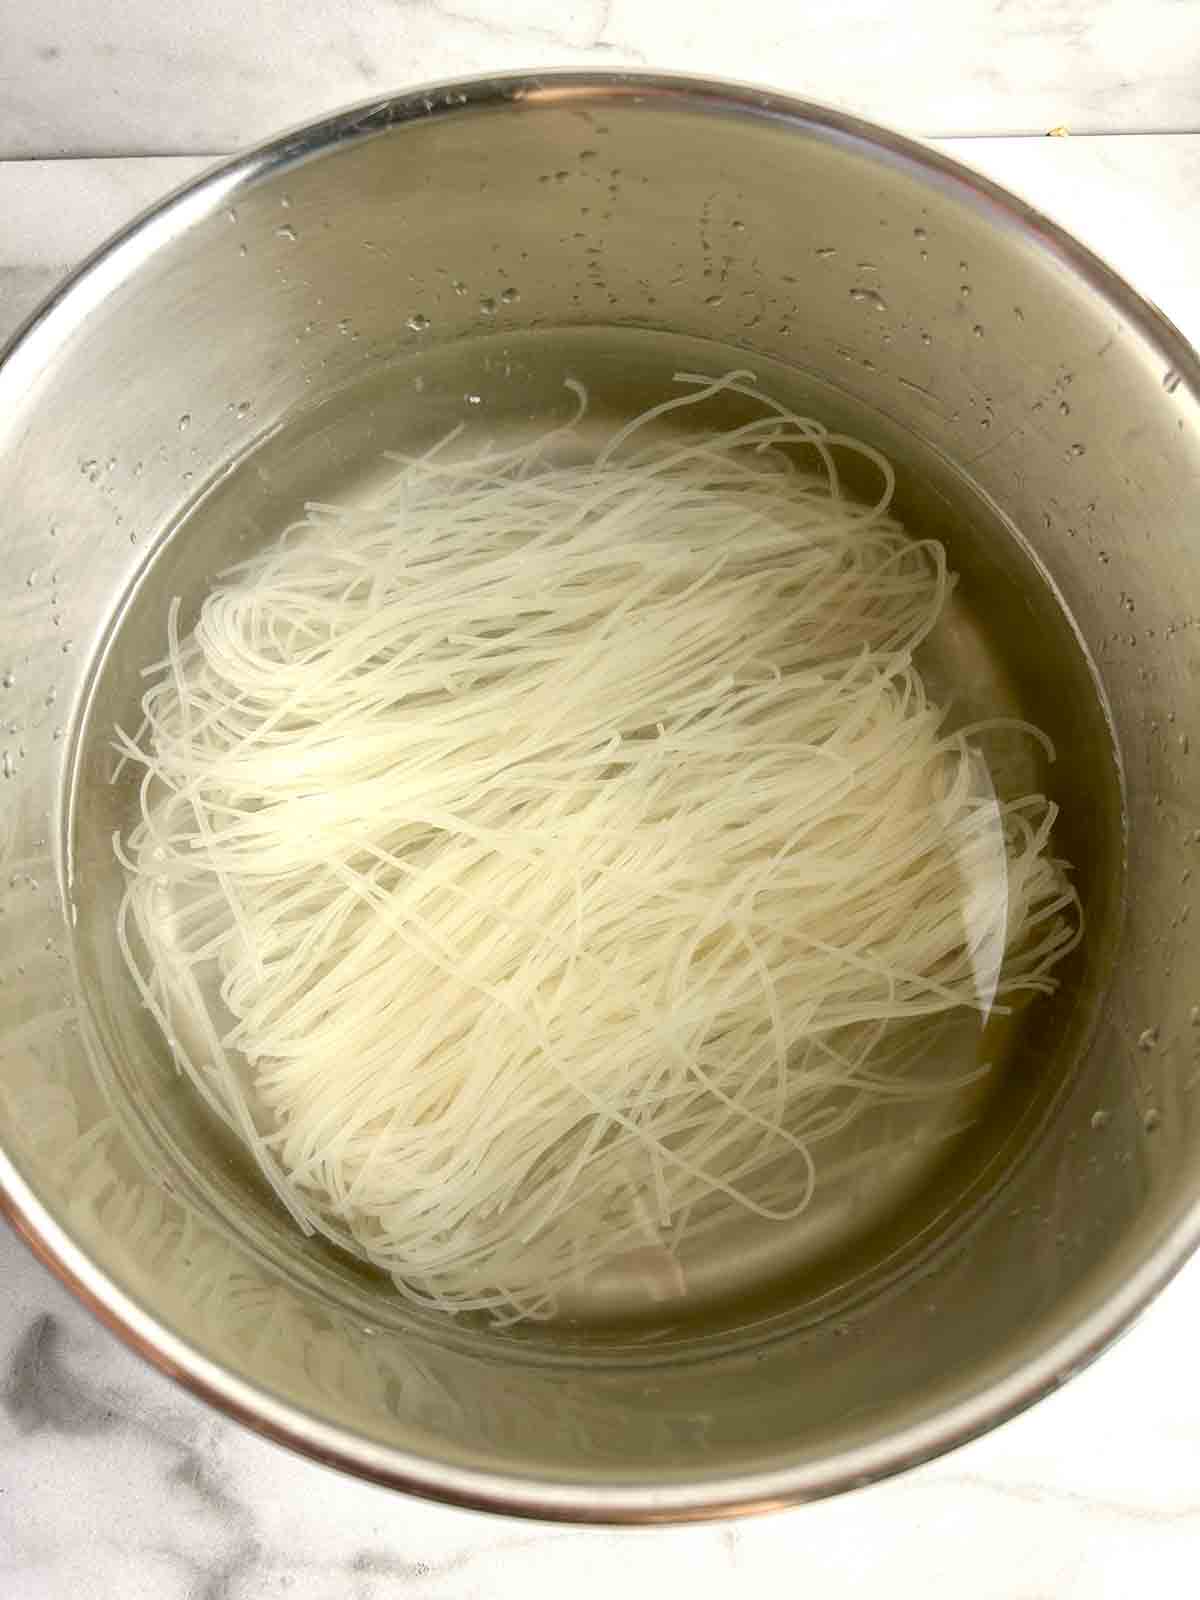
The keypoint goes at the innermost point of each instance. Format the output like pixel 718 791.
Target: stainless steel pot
pixel 384 242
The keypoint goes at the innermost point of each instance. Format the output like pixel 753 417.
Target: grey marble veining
pixel 149 78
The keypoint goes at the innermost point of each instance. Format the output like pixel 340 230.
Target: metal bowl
pixel 274 326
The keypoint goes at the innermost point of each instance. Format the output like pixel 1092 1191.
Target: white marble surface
pixel 100 77
pixel 115 1483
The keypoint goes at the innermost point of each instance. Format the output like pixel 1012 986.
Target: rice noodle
pixel 537 864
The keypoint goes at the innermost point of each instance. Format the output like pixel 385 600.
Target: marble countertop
pixel 115 1483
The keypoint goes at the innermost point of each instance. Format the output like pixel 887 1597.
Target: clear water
pixel 1005 648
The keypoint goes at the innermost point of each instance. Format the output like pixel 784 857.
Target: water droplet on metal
pixel 920 233
pixel 715 300
pixel 185 422
pixel 1148 1039
pixel 926 338
pixel 487 306
pixel 1152 1119
pixel 977 330
pixel 868 297
pixel 473 399
pixel 286 231
pixel 1077 450
pixel 418 322
pixel 964 289
pixel 825 253
pixel 1100 1119
pixel 509 296
pixel 242 408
